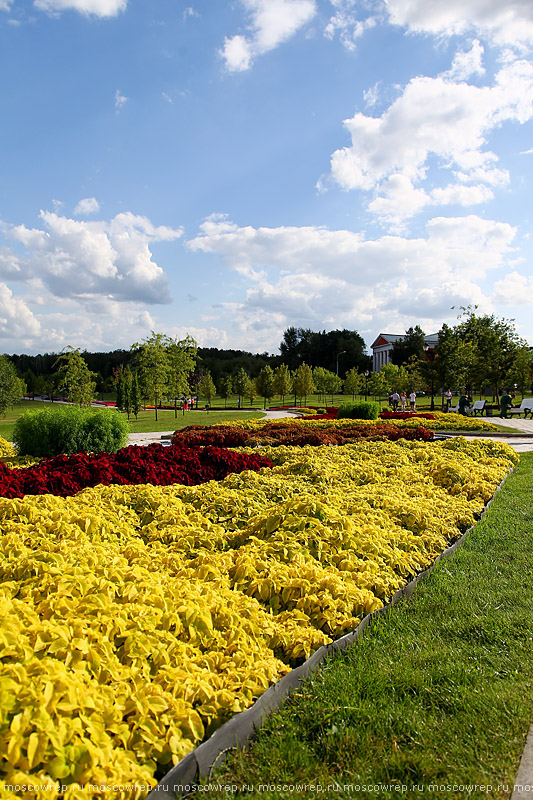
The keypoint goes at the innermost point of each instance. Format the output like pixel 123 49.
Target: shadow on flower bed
pixel 160 466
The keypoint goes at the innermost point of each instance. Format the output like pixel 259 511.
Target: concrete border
pixel 238 731
pixel 523 785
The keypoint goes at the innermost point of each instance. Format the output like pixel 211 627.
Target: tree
pixel 320 379
pixel 264 383
pixel 412 344
pixel 12 388
pixel 182 361
pixel 164 366
pixel 332 384
pixel 74 377
pixel 282 381
pixel 226 388
pixel 124 390
pixel 135 395
pixel 206 387
pixel 494 347
pixel 377 384
pixel 303 382
pixel 242 385
pixel 154 367
pixel 354 382
pixel 522 369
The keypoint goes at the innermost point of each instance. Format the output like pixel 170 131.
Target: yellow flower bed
pixel 6 449
pixel 448 422
pixel 135 619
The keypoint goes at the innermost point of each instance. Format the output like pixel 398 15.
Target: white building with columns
pixel 382 348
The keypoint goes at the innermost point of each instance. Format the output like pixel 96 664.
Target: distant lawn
pixel 145 423
pixel 166 421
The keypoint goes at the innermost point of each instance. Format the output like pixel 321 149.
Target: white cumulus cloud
pixel 322 278
pixel 89 205
pixel 272 22
pixel 16 318
pixel 507 22
pixel 433 118
pixel 97 8
pixel 83 260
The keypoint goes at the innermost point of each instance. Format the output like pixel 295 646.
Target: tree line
pixel 479 353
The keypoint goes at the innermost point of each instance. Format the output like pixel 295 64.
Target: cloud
pixel 272 22
pixel 97 8
pixel 5 5
pixel 321 278
pixel 462 195
pixel 89 205
pixel 514 290
pixel 345 24
pixel 467 63
pixel 505 23
pixel 16 319
pixel 120 100
pixel 86 260
pixel 434 119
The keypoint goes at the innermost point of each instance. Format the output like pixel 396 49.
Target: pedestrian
pixel 395 400
pixel 506 402
pixel 403 400
pixel 412 401
pixel 464 404
pixel 448 399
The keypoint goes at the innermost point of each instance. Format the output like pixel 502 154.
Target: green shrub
pixel 360 410
pixel 68 430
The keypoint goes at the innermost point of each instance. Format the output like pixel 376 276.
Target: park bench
pixel 479 405
pixel 525 407
pixel 454 408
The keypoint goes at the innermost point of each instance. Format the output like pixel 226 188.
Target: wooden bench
pixel 525 407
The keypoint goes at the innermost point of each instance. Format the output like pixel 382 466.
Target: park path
pixel 520 444
pixel 148 438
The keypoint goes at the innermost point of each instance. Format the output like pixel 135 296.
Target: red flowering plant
pixel 161 466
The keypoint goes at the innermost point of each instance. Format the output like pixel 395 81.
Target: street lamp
pixel 367 373
pixel 339 354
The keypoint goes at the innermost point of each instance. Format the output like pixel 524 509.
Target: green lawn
pixel 438 691
pixel 146 419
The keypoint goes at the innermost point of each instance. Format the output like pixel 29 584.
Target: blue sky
pixel 228 169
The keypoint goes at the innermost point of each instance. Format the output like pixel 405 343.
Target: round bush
pixel 362 410
pixel 67 430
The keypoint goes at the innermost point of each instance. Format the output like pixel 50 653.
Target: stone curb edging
pixel 523 785
pixel 198 764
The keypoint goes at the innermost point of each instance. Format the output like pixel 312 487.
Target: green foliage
pixel 243 385
pixel 67 430
pixel 304 384
pixel 264 384
pixel 74 377
pixel 206 387
pixel 354 382
pixel 164 366
pixel 11 386
pixel 360 410
pixel 282 381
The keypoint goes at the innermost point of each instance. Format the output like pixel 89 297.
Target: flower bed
pixel 136 619
pixel 406 414
pixel 154 464
pixel 441 421
pixel 295 432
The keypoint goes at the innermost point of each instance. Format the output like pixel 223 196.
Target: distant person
pixel 412 401
pixel 403 400
pixel 506 402
pixel 464 404
pixel 448 399
pixel 395 400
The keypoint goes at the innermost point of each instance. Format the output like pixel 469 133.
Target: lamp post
pixel 366 383
pixel 339 354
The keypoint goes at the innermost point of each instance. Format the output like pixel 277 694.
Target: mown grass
pixel 438 691
pixel 145 422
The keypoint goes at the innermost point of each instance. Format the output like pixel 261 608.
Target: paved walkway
pixel 156 436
